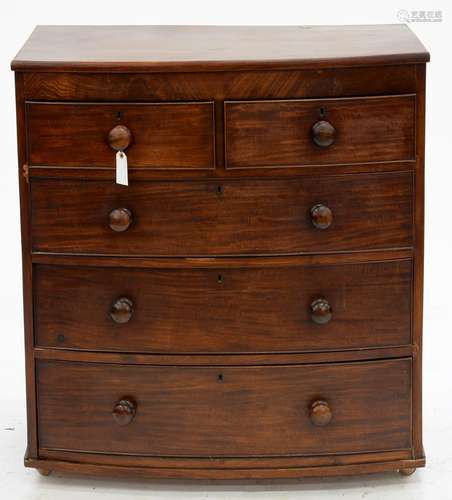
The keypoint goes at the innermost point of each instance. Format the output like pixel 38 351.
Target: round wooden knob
pixel 320 413
pixel 323 133
pixel 120 219
pixel 124 411
pixel 321 216
pixel 121 311
pixel 321 311
pixel 119 138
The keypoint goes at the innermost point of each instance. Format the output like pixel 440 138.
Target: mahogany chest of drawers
pixel 250 304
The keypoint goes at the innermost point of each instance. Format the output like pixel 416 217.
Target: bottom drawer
pixel 225 411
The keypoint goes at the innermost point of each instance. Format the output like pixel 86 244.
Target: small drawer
pixel 247 217
pixel 158 135
pixel 224 310
pixel 239 411
pixel 319 131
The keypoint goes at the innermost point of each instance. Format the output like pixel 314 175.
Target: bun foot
pixel 407 472
pixel 44 472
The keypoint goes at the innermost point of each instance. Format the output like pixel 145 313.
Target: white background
pixel 434 482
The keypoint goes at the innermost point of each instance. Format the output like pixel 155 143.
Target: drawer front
pixel 225 411
pixel 167 135
pixel 319 132
pixel 357 212
pixel 237 310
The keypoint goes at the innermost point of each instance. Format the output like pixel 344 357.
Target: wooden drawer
pixel 233 310
pixel 285 132
pixel 163 135
pixel 238 411
pixel 276 216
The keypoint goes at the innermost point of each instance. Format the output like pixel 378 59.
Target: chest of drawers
pixel 250 304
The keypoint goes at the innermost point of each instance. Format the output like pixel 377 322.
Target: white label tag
pixel 121 169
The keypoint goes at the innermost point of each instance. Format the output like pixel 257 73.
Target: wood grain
pixel 178 135
pixel 213 263
pixel 370 212
pixel 213 48
pixel 216 364
pixel 222 310
pixel 27 271
pixel 252 411
pixel 224 463
pixel 253 472
pixel 418 283
pixel 214 359
pixel 322 82
pixel 278 133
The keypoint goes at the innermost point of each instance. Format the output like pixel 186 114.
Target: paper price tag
pixel 122 176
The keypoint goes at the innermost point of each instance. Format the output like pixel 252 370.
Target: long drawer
pixel 154 135
pixel 319 131
pixel 238 411
pixel 246 217
pixel 230 310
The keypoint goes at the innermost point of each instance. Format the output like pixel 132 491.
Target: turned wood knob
pixel 120 219
pixel 121 311
pixel 321 311
pixel 321 216
pixel 124 411
pixel 119 138
pixel 323 133
pixel 320 413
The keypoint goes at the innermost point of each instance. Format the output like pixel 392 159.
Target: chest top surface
pixel 215 48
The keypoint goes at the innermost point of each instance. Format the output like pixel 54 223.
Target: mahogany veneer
pixel 177 410
pixel 242 310
pixel 369 211
pixel 278 133
pixel 250 305
pixel 176 135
